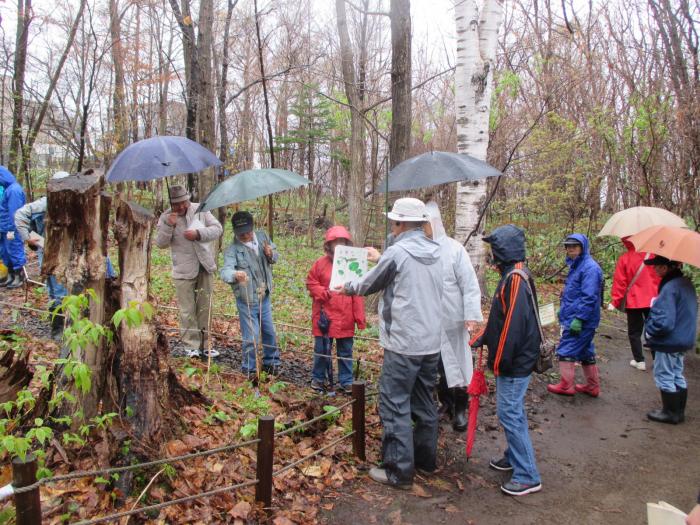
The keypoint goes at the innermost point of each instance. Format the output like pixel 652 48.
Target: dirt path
pixel 600 459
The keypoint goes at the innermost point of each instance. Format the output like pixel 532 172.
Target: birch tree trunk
pixel 477 38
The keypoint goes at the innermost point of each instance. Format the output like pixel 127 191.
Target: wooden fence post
pixel 266 449
pixel 358 420
pixel 27 504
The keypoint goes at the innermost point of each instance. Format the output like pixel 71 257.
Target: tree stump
pixel 146 383
pixel 77 219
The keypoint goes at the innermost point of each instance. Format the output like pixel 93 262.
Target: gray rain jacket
pixel 23 216
pixel 410 274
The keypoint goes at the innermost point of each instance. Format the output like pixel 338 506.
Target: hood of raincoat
pixel 630 247
pixel 6 177
pixel 337 232
pixel 418 246
pixel 585 253
pixel 507 244
pixel 436 225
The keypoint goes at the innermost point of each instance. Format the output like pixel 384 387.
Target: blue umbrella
pixel 433 168
pixel 160 157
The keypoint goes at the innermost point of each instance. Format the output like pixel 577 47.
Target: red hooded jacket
pixel 645 288
pixel 343 311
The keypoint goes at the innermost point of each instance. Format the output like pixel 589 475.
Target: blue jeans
pixel 668 371
pixel 323 366
pixel 256 319
pixel 55 290
pixel 510 406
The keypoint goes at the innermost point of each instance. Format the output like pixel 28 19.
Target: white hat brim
pixel 404 218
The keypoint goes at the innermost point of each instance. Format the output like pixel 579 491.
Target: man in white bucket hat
pixel 410 274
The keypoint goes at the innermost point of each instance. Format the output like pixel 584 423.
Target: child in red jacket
pixel 342 312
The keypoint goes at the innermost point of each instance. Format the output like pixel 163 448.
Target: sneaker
pixel 318 386
pixel 271 370
pixel 500 464
pixel 191 352
pixel 345 390
pixel 520 489
pixel 211 353
pixel 379 475
pixel 639 365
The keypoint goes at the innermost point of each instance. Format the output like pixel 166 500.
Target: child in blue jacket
pixel 671 331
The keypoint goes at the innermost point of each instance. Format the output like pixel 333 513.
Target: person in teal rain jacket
pixel 579 316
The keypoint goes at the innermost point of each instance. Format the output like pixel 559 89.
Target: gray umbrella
pixel 436 167
pixel 251 184
pixel 160 156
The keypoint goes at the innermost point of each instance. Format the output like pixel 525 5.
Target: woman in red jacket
pixel 343 312
pixel 634 286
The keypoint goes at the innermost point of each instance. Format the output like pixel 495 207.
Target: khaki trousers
pixel 193 298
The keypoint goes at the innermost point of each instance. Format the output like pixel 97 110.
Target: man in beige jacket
pixel 190 237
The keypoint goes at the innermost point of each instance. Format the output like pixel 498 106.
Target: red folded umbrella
pixel 477 387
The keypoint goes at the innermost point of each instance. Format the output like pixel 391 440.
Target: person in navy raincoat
pixel 579 316
pixel 11 245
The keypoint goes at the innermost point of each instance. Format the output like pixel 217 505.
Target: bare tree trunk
pixel 24 19
pixel 205 114
pixel 31 138
pixel 121 137
pixel 476 50
pixel 267 114
pixel 400 81
pixel 192 73
pixel 356 180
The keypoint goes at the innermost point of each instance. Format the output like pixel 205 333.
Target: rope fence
pixel 26 488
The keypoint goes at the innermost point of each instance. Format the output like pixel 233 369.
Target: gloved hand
pixel 611 307
pixel 575 326
pixel 11 236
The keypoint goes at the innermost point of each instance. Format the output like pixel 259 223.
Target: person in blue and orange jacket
pixel 513 340
pixel 579 316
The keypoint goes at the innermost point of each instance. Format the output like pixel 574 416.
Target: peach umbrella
pixel 676 244
pixel 634 220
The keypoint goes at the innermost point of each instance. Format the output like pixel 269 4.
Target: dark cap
pixel 572 241
pixel 242 222
pixel 659 260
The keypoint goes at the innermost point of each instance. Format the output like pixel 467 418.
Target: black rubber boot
pixel 671 408
pixel 17 279
pixel 445 394
pixel 8 278
pixel 683 395
pixel 459 421
pixel 56 325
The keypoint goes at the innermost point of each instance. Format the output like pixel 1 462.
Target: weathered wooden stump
pixel 77 220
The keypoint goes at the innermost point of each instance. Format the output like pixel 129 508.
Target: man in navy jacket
pixel 671 331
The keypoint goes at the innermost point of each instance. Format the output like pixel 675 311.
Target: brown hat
pixel 178 194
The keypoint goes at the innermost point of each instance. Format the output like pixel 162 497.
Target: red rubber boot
pixel 565 386
pixel 592 386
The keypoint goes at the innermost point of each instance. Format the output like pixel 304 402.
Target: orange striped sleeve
pixel 514 288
